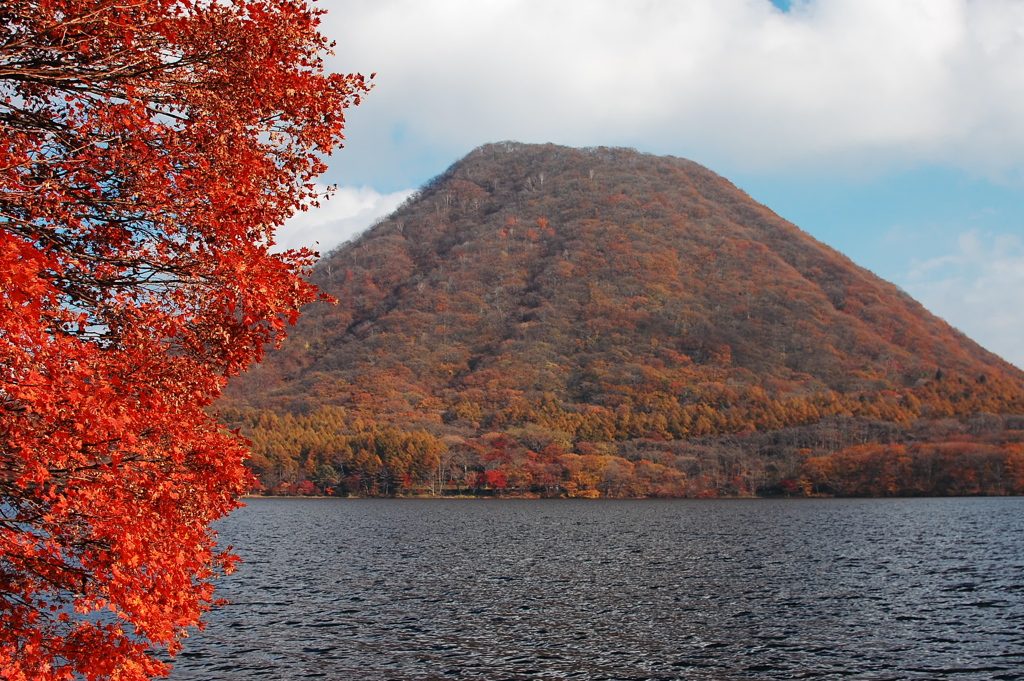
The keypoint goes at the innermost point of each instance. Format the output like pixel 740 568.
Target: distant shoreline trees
pixel 333 452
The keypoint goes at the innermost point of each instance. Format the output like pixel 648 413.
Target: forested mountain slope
pixel 547 320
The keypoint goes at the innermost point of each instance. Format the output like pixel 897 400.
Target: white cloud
pixel 863 82
pixel 346 213
pixel 979 288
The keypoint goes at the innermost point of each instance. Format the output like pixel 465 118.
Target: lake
pixel 366 589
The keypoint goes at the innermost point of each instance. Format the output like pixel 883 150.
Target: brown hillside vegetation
pixel 555 321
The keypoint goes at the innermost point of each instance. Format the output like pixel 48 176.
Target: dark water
pixel 492 589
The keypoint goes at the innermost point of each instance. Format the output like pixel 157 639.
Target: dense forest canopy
pixel 552 321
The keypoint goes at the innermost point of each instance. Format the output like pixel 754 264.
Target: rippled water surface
pixel 501 589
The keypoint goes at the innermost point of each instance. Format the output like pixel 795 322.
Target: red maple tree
pixel 148 150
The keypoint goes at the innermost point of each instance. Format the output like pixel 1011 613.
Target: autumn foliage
pixel 603 322
pixel 148 151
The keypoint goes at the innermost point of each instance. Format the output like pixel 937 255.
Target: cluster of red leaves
pixel 148 149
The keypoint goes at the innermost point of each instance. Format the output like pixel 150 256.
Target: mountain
pixel 547 320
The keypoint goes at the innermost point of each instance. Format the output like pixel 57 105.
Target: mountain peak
pixel 604 295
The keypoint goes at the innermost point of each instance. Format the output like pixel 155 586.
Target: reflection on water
pixel 682 589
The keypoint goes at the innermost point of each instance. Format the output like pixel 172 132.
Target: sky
pixel 892 130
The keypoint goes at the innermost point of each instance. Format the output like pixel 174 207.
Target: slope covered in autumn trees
pixel 547 320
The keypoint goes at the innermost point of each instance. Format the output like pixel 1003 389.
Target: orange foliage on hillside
pixel 621 312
